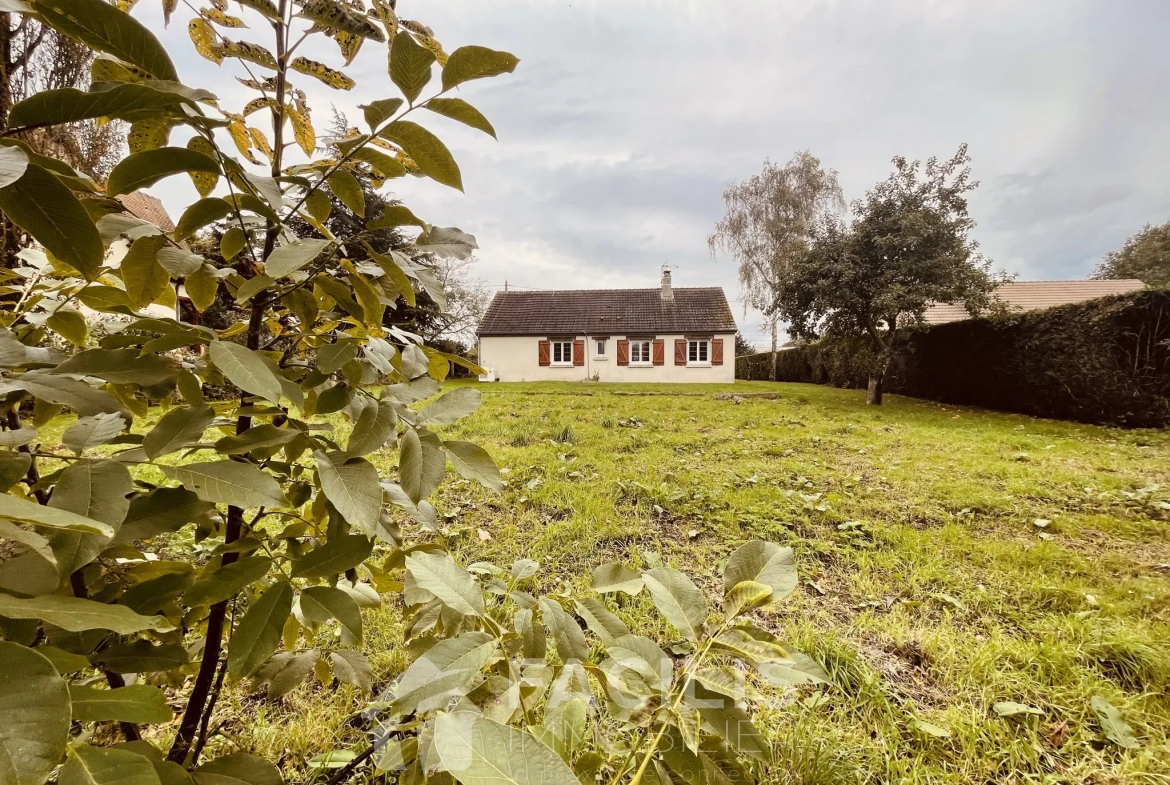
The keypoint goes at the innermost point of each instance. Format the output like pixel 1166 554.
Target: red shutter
pixel 544 352
pixel 623 352
pixel 578 352
pixel 717 351
pixel 659 351
pixel 680 351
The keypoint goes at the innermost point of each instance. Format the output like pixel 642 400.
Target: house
pixel 1019 296
pixel 612 335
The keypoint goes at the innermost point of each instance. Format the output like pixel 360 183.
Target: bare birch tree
pixel 769 220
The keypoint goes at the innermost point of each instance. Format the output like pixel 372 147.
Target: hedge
pixel 1102 361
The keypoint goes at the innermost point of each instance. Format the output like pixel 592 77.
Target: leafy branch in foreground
pixel 506 687
pixel 199 547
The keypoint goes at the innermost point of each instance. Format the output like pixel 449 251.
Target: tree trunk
pixel 873 395
pixel 773 324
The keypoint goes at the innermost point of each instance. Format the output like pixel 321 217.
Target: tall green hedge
pixel 1102 361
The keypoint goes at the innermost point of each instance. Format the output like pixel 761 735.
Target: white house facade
pixel 611 335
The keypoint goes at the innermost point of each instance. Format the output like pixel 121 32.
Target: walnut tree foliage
pixel 1145 256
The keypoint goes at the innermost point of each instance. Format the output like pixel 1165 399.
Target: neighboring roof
pixel 146 207
pixel 608 311
pixel 1035 295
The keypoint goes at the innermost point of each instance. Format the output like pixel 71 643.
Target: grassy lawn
pixel 950 558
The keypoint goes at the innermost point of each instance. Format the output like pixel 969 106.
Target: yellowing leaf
pixel 253 53
pixel 256 104
pixel 220 18
pixel 149 134
pixel 322 72
pixel 203 36
pixel 302 130
pixel 204 181
pixel 241 137
pixel 261 142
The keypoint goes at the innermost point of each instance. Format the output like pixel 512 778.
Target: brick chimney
pixel 667 293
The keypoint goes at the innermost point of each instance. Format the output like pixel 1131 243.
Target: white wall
pixel 515 358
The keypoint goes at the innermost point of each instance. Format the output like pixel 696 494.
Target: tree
pixel 1145 256
pixel 743 345
pixel 906 247
pixel 769 220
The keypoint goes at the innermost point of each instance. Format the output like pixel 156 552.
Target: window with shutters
pixel 698 353
pixel 640 353
pixel 562 352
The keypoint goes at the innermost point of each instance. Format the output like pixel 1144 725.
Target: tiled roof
pixel 146 207
pixel 608 311
pixel 1035 295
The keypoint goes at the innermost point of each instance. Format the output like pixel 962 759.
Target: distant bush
pixel 1102 361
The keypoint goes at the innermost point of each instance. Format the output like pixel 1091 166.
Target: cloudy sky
pixel 627 118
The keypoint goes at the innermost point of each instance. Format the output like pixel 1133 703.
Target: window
pixel 600 347
pixel 697 352
pixel 562 352
pixel 639 353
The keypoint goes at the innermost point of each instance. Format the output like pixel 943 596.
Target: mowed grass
pixel 929 591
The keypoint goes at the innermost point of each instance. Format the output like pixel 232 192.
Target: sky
pixel 626 120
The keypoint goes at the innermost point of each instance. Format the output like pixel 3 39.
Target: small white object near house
pixel 612 335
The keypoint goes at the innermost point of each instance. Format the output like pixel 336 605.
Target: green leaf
pixel 255 438
pixel 13 467
pixel 799 668
pixel 332 356
pixel 372 429
pixel 603 622
pixel 63 661
pixel 75 614
pixel 28 538
pixel 352 486
pixel 104 766
pixel 70 325
pixel 95 490
pixel 617 577
pixel 141 657
pixel 421 464
pixel 258 633
pixel 446 580
pixel 108 299
pixel 252 287
pixel 245 369
pixel 566 633
pixel 120 366
pixel 62 390
pixel 229 482
pixel 178 262
pixel 152 595
pixel 232 242
pixel 745 596
pixel 458 109
pixel 378 112
pixel 410 66
pixel 284 672
pixel 44 207
pixel 291 257
pixel 455 405
pixel 89 432
pixel 13 162
pixel 320 604
pixel 145 278
pixel 1116 729
pixel 1010 709
pixel 337 555
pixel 161 510
pixel 144 169
pixel 69 105
pixel 728 721
pixel 476 62
pixel 202 287
pixel 177 428
pixel 239 768
pixel 352 667
pixel 742 643
pixel 226 581
pixel 426 150
pixel 34 716
pixel 930 729
pixel 447 242
pixel 678 599
pixel 762 562
pixel 443 671
pixel 108 29
pixel 347 188
pixel 24 511
pixel 138 703
pixel 479 751
pixel 474 463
